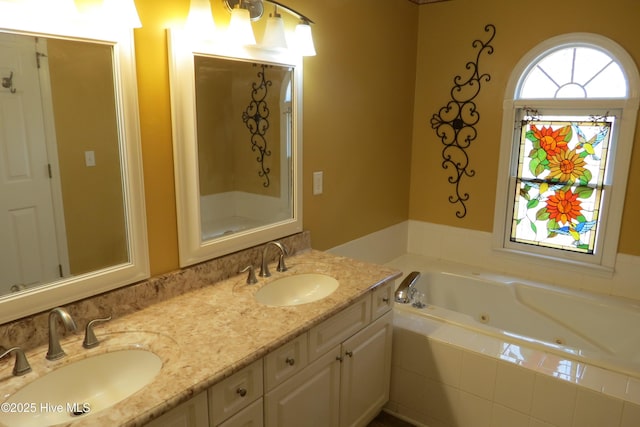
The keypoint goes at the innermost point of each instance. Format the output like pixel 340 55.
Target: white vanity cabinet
pixel 335 374
pixel 365 372
pixel 192 413
pixel 251 416
pixel 310 398
pixel 346 381
pixel 232 401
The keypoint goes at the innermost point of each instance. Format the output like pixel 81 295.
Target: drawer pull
pixel 242 391
pixel 349 353
pixel 385 300
pixel 290 361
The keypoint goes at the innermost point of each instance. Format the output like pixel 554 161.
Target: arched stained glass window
pixel 566 142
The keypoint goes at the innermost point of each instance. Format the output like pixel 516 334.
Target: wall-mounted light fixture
pixel 200 20
pixel 274 37
pixel 240 31
pixel 122 13
pixel 274 33
pixel 55 15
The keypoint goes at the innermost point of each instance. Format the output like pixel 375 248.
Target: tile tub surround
pixel 32 331
pixel 445 376
pixel 209 333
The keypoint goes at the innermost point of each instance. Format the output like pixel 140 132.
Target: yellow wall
pixel 358 95
pixel 360 119
pixel 446 33
pixel 358 101
pixel 82 95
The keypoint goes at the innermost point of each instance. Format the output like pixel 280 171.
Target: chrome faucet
pixel 55 351
pixel 264 266
pixel 21 366
pixel 405 291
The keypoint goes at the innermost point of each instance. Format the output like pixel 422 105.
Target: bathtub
pixel 595 329
pixel 494 350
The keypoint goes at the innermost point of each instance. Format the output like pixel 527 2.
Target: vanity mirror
pixel 237 142
pixel 73 221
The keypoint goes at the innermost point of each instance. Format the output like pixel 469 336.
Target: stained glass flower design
pixel 560 182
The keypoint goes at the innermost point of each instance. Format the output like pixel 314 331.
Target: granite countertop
pixel 208 334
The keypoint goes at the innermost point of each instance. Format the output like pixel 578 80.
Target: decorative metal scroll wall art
pixel 256 118
pixel 455 123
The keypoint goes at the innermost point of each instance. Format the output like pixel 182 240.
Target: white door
pixel 28 244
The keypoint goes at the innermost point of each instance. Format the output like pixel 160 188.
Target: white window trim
pixel 605 258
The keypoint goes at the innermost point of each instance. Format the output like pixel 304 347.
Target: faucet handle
pixel 251 277
pixel 90 339
pixel 21 366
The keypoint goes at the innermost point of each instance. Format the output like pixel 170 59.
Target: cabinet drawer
pixel 336 329
pixel 287 360
pixel 234 393
pixel 381 299
pixel 251 416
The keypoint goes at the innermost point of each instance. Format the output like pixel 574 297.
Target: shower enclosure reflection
pixel 244 128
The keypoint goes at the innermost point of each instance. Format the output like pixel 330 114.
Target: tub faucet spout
pixel 405 290
pixel 55 351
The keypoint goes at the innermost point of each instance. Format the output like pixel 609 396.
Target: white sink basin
pixel 92 384
pixel 295 290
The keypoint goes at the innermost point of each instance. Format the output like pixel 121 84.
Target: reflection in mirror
pixel 69 171
pixel 244 125
pixel 237 140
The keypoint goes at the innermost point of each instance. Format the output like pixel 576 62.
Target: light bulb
pixel 122 13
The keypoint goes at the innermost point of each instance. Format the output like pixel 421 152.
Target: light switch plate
pixel 89 158
pixel 317 183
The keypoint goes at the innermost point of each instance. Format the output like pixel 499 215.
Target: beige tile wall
pixel 435 383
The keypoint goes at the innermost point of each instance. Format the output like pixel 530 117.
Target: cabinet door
pixel 310 398
pixel 251 416
pixel 365 372
pixel 192 413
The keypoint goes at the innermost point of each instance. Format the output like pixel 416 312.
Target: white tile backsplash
pixel 474 247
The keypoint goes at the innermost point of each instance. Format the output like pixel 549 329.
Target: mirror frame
pixel 192 249
pixel 41 298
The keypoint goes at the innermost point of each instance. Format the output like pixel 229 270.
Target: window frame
pixel 615 183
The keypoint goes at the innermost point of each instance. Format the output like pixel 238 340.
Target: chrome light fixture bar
pixel 274 31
